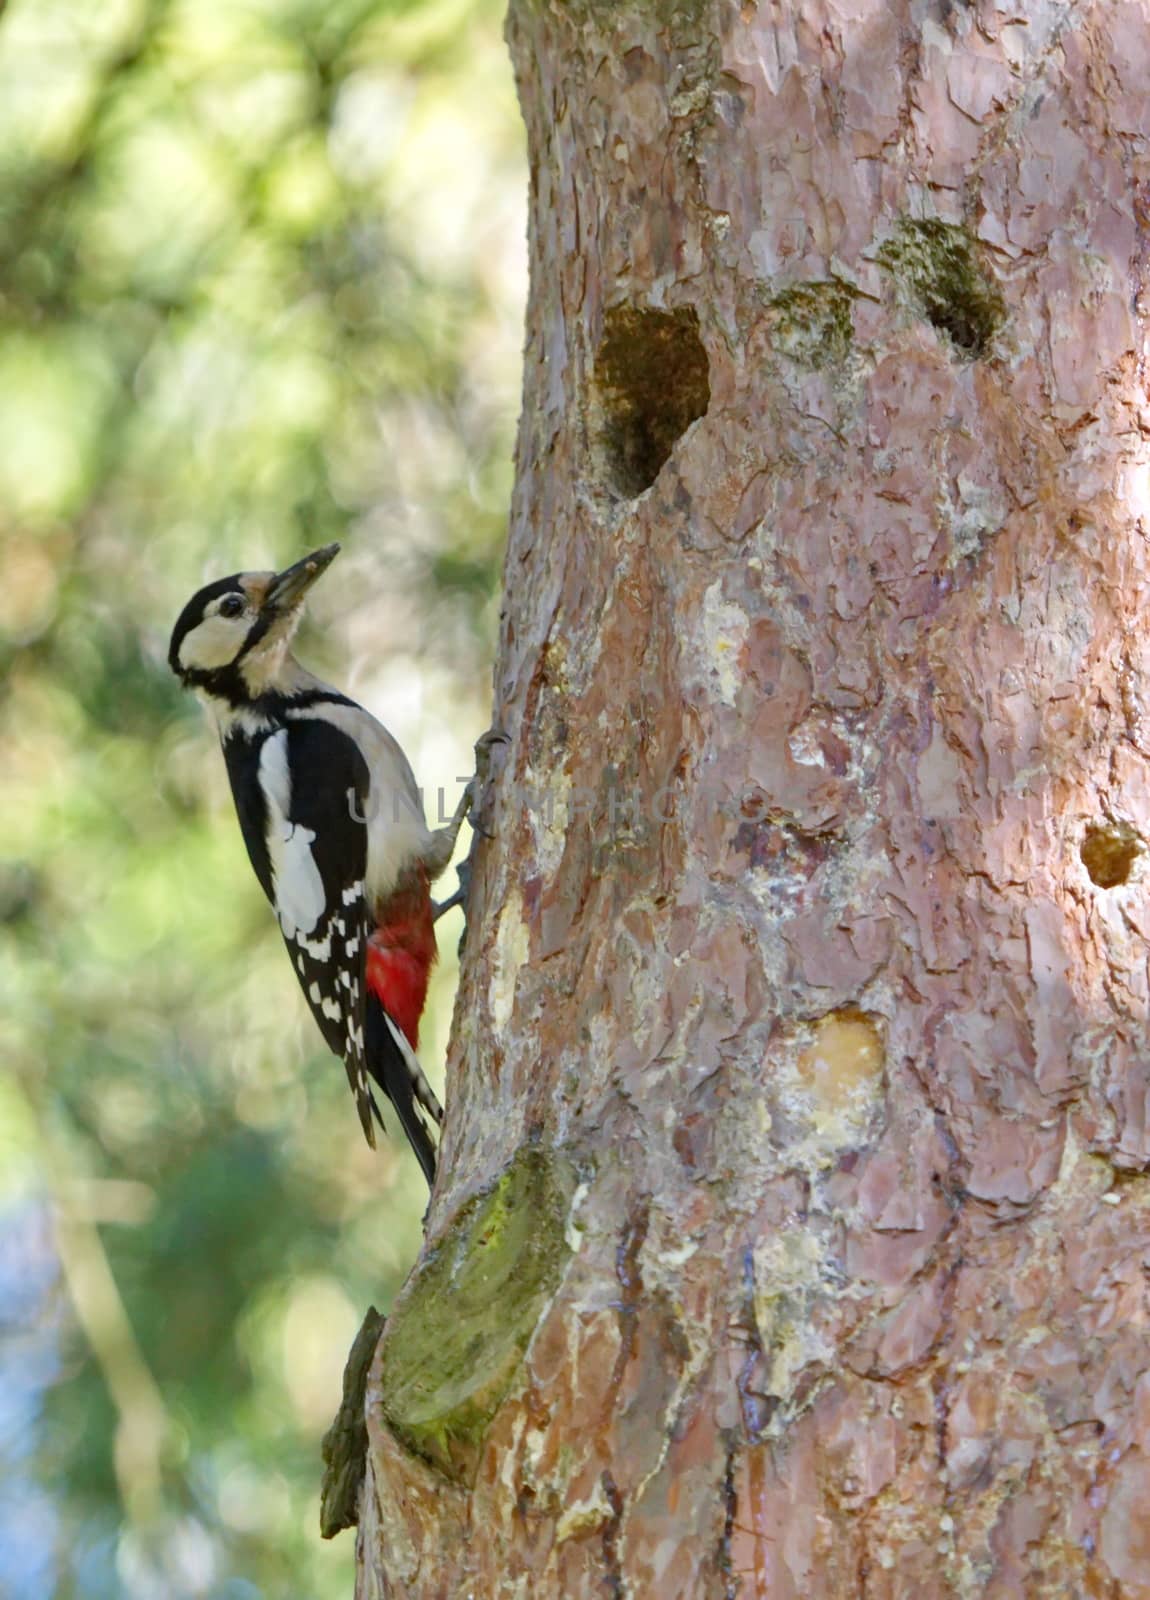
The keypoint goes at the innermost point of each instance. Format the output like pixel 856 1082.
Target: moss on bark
pixel 811 322
pixel 939 268
pixel 454 1343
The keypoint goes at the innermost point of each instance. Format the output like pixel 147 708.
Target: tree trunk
pixel 792 1231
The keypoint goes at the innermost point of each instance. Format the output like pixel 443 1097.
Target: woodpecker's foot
pixel 459 898
pixel 473 805
pixel 442 849
pixel 481 784
pixel 476 804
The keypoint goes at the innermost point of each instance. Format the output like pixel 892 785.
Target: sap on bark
pixel 1109 852
pixel 845 1055
pixel 651 381
pixel 838 1078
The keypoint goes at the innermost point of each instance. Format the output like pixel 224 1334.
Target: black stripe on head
pixel 191 617
pixel 260 630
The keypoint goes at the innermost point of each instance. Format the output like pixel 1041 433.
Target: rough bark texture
pixel 793 1229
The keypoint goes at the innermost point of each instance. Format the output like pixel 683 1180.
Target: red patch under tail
pixel 400 954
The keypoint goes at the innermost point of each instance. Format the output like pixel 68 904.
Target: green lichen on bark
pixel 811 322
pixel 939 268
pixel 682 13
pixel 455 1342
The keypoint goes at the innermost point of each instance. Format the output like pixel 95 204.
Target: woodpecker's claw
pixel 476 825
pixel 478 788
pixel 484 745
pixel 474 806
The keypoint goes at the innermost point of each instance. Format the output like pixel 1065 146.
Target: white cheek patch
pixel 214 643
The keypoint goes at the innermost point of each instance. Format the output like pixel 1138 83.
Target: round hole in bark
pixel 1109 851
pixel 652 380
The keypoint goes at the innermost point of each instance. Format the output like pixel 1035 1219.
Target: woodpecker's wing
pixel 315 783
pixel 305 807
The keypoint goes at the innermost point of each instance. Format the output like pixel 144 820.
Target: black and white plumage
pixel 334 827
pixel 310 863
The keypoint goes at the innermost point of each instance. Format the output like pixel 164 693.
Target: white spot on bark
pixel 790 1274
pixel 549 814
pixel 972 512
pixel 724 634
pixel 512 943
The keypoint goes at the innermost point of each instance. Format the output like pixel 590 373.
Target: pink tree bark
pixel 792 1232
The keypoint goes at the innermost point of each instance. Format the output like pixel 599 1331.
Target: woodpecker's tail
pixel 394 1066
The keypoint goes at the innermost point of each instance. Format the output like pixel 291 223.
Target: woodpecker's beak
pixel 288 587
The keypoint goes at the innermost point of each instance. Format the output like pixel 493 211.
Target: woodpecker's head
pixel 233 637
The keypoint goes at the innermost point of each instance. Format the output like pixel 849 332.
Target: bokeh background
pixel 261 285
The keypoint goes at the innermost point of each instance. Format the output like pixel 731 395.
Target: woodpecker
pixel 334 827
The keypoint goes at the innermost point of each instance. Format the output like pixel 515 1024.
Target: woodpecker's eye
pixel 231 605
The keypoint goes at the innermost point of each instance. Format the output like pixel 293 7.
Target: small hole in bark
pixel 940 267
pixel 652 380
pixel 1109 851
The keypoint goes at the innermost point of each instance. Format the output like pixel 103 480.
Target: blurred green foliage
pixel 261 270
